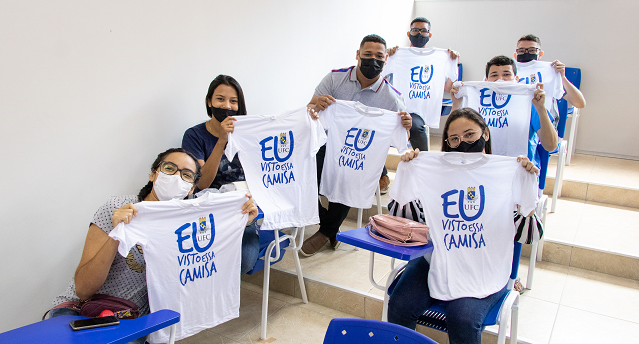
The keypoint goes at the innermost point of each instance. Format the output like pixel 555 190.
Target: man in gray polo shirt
pixel 360 83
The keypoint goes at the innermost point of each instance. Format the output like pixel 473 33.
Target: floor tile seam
pixel 540 299
pixel 587 182
pixel 631 280
pixel 611 205
pixel 380 280
pixel 258 326
pixel 603 315
pixel 335 285
pixel 240 337
pixel 588 247
pixel 599 313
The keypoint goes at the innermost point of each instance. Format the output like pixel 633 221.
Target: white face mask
pixel 168 187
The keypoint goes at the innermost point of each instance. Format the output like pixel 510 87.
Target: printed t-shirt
pixel 420 75
pixel 278 156
pixel 468 201
pixel 192 250
pixel 506 108
pixel 358 140
pixel 199 141
pixel 534 72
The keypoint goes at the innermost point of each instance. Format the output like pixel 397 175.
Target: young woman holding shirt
pixel 206 141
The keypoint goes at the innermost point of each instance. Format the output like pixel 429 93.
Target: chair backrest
pixel 562 109
pixel 544 158
pixel 574 76
pixel 266 237
pixel 460 72
pixel 364 331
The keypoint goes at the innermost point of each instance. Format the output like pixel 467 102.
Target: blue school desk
pixel 359 237
pixel 57 330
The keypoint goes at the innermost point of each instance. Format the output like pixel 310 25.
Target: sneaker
pixel 384 182
pixel 313 244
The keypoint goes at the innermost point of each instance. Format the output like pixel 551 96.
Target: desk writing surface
pixel 359 237
pixel 57 330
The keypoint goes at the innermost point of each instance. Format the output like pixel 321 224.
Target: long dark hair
pixel 228 81
pixel 146 190
pixel 472 115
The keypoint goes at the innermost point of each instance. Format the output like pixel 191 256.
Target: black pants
pixel 418 137
pixel 331 218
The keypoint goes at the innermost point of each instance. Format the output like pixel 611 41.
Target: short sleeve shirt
pixel 420 75
pixel 126 278
pixel 468 201
pixel 342 84
pixel 200 142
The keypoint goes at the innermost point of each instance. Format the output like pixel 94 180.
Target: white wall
pixel 597 36
pixel 92 91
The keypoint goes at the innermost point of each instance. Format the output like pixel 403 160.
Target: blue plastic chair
pixel 350 331
pixel 360 238
pixel 574 76
pixel 57 330
pixel 435 316
pixel 273 245
pixel 565 148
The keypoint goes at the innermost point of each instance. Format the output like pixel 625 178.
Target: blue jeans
pixel 411 298
pixel 56 312
pixel 250 248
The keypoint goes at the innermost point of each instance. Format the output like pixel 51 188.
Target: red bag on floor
pixel 397 230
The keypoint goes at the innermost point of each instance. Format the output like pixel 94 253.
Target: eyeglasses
pixel 415 31
pixel 469 137
pixel 170 168
pixel 532 50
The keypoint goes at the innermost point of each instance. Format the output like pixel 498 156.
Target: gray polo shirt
pixel 342 84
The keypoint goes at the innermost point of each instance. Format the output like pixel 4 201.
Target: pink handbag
pixel 397 230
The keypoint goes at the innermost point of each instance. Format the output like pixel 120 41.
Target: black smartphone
pixel 84 324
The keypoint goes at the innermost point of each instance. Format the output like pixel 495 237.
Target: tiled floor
pixel 289 321
pixel 565 302
pixel 600 170
pixel 603 226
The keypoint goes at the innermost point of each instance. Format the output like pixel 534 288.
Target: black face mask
pixel 526 57
pixel 418 40
pixel 221 114
pixel 475 147
pixel 371 68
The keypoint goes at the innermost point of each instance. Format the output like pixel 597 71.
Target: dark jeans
pixel 418 137
pixel 56 312
pixel 250 248
pixel 411 298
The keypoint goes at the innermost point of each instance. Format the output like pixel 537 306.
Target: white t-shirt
pixel 358 140
pixel 506 108
pixel 468 201
pixel 420 74
pixel 192 250
pixel 278 157
pixel 540 71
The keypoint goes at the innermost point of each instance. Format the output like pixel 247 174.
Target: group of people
pixel 200 164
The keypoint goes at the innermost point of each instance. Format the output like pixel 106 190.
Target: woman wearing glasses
pixel 465 131
pixel 101 270
pixel 206 141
